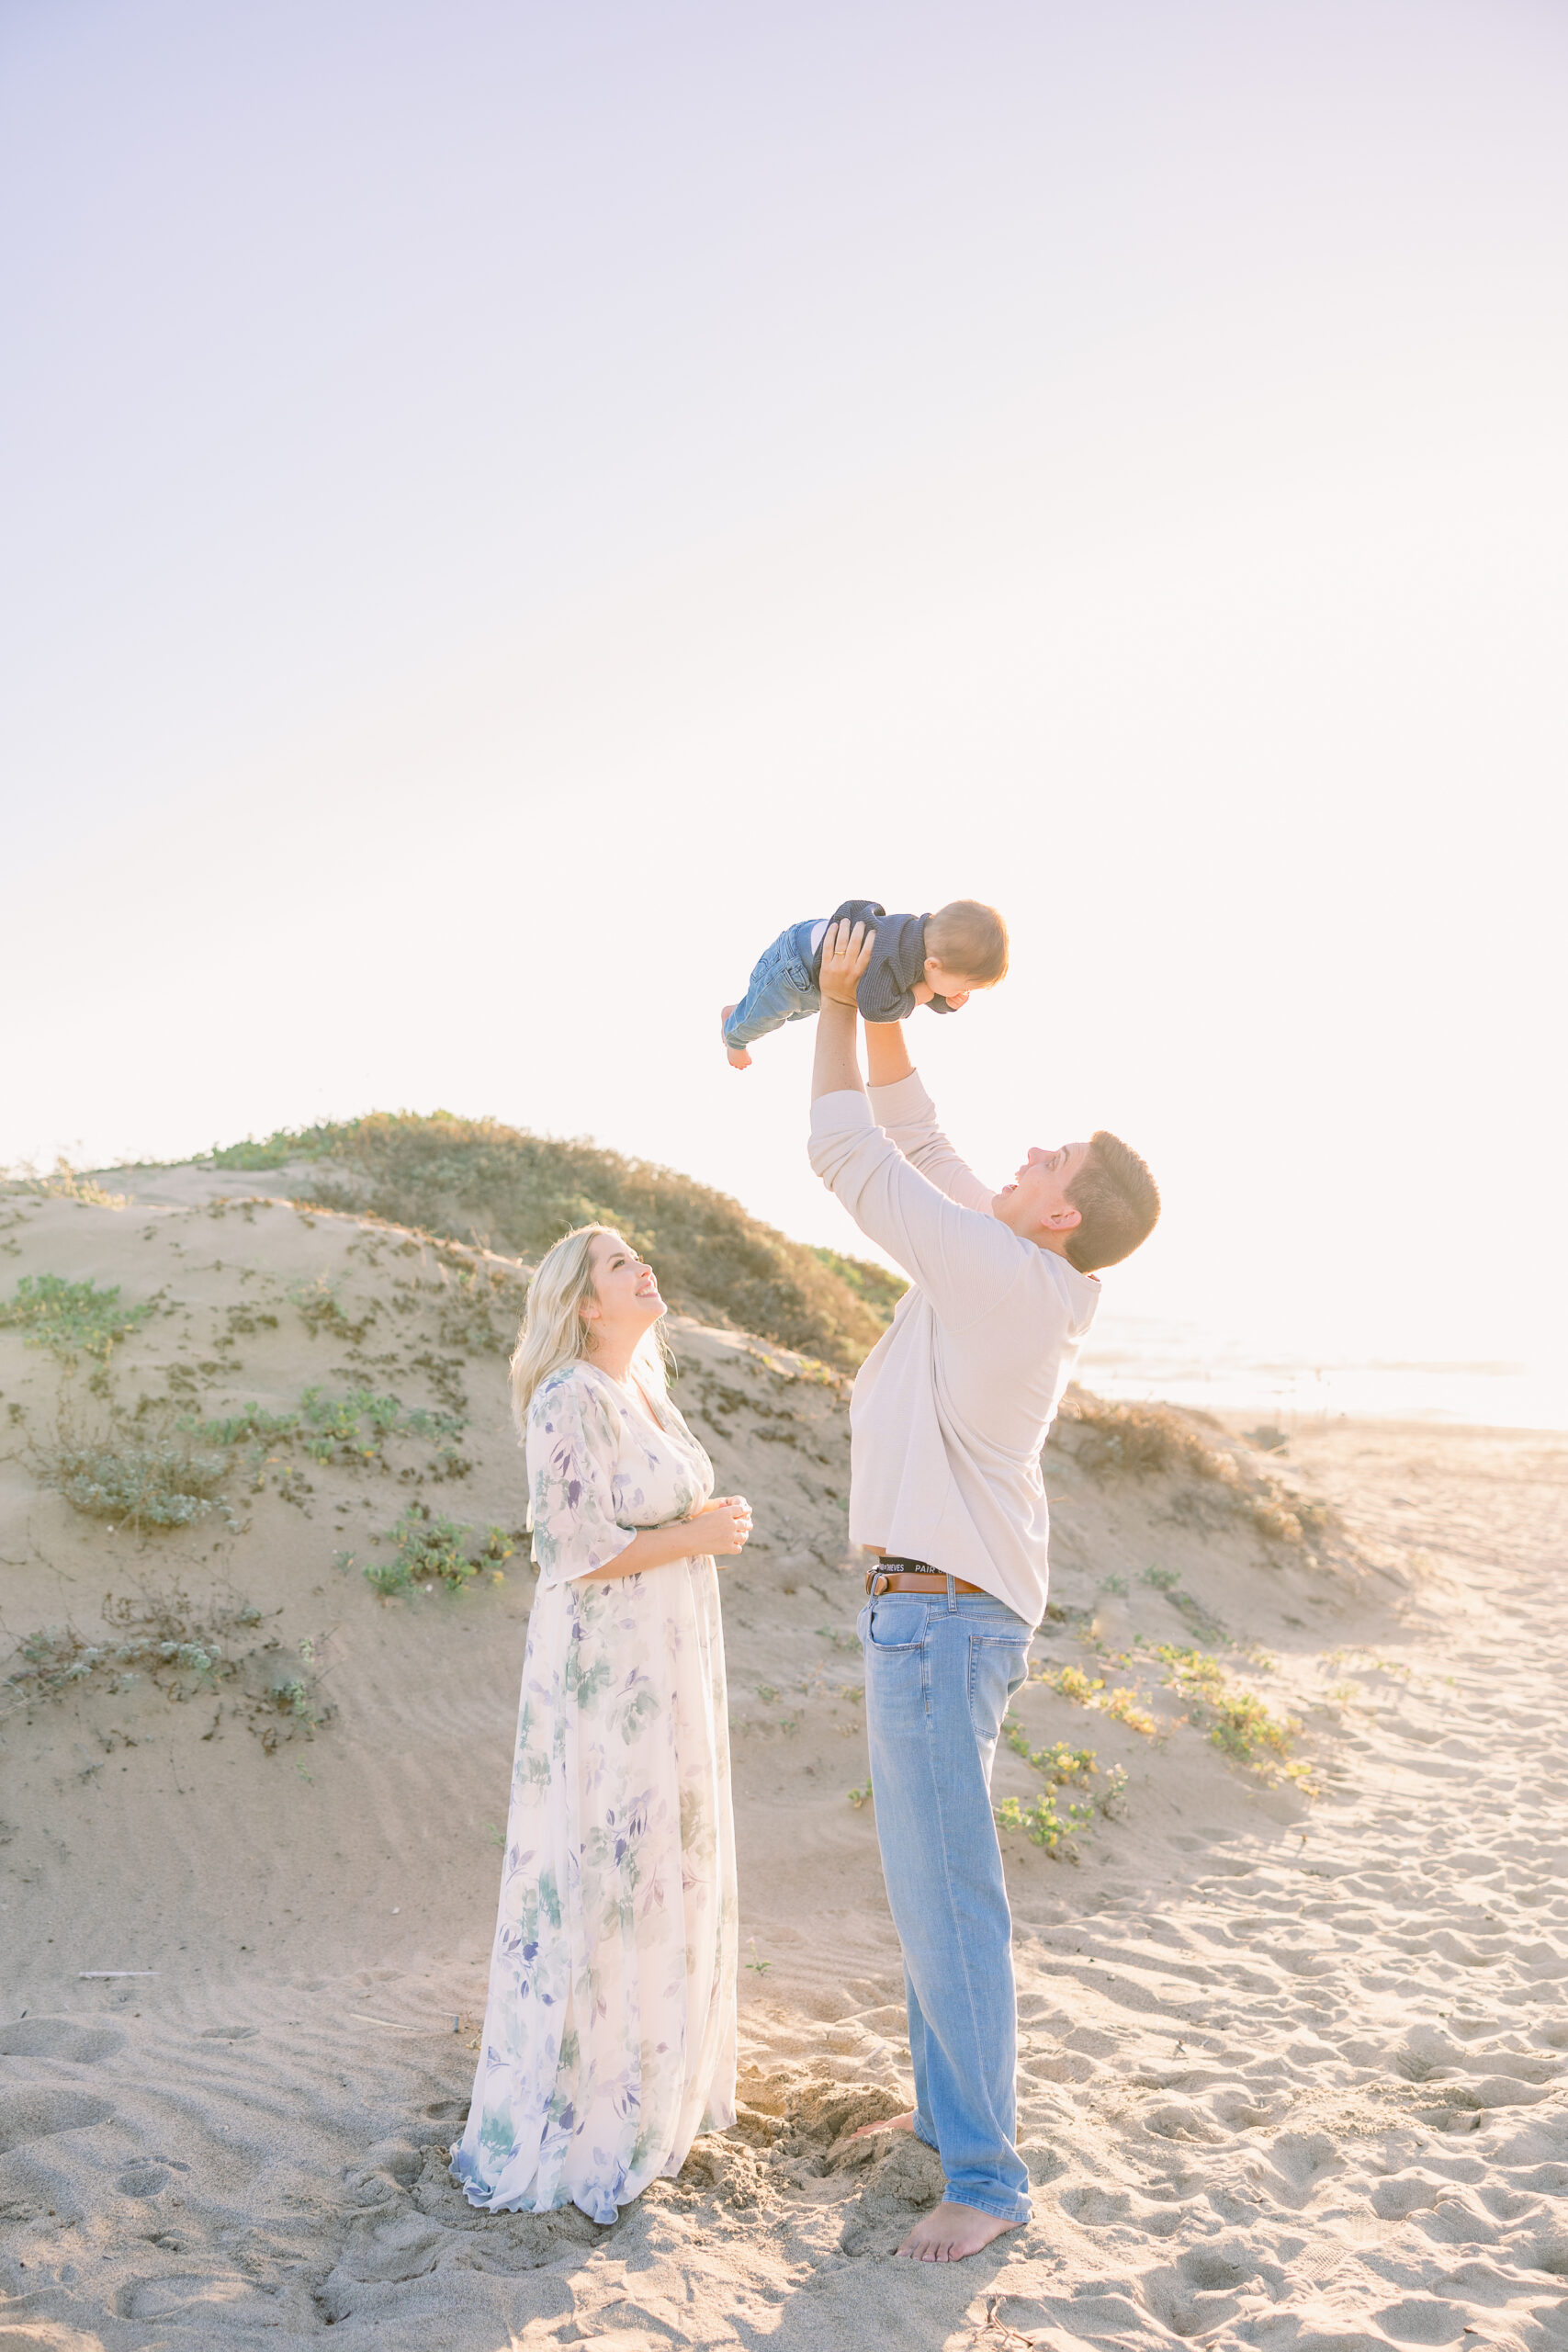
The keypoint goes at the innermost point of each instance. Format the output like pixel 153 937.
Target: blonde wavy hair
pixel 554 1331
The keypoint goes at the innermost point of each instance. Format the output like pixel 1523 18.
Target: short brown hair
pixel 1117 1201
pixel 970 938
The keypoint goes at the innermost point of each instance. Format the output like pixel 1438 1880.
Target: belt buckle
pixel 879 1579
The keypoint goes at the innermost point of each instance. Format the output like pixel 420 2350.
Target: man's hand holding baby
pixel 846 952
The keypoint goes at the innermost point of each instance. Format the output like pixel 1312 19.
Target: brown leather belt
pixel 907 1577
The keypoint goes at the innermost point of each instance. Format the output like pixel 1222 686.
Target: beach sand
pixel 1293 2058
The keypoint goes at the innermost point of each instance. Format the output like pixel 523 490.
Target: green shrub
pixel 152 1482
pixel 1063 1766
pixel 272 1153
pixel 290 1695
pixel 333 1424
pixel 70 1318
pixel 430 1550
pixel 1046 1825
pixel 1237 1720
pixel 249 1426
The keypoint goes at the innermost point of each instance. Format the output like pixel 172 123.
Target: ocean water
pixel 1143 1360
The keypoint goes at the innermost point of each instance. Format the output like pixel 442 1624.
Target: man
pixel 950 1413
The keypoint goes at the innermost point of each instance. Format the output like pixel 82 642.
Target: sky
pixel 508 506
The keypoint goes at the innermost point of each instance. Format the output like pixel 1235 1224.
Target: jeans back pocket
pixel 998 1665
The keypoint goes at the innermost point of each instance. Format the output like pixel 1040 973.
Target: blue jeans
pixel 939 1674
pixel 781 988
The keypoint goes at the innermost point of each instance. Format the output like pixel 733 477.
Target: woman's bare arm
pixel 721 1527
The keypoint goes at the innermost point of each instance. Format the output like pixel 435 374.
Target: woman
pixel 609 2034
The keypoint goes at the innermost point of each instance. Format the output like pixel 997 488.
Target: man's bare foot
pixel 739 1056
pixel 951 2233
pixel 886 2124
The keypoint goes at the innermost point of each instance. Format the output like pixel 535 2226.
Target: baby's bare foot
pixel 951 2233
pixel 739 1056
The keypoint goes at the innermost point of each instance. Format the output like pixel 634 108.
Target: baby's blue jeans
pixel 781 988
pixel 939 1674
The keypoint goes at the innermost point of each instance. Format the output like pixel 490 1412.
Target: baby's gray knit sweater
pixel 898 961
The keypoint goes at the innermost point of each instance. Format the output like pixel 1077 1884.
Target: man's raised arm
pixel 908 1116
pixel 963 1262
pixel 886 1055
pixel 845 955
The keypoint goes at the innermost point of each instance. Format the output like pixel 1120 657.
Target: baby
pixel 938 960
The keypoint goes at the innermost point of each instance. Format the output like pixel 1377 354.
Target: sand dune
pixel 1295 2057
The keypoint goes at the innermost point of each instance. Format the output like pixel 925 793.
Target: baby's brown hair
pixel 969 939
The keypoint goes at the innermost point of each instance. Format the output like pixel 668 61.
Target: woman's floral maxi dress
pixel 609 2034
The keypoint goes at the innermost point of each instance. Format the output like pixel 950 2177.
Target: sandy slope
pixel 1293 2071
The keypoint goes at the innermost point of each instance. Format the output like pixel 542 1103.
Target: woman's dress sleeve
pixel 573 1442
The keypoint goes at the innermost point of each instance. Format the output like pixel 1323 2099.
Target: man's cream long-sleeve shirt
pixel 952 1406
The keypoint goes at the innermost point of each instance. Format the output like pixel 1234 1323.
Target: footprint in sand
pixel 224 2301
pixel 63 2037
pixel 144 2180
pixel 1199 2291
pixel 38 2111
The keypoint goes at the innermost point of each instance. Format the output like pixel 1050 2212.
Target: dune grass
pixel 1237 1720
pixel 1109 1440
pixel 165 1477
pixel 875 1285
pixel 63 1182
pixel 184 1651
pixel 351 1430
pixel 1123 1705
pixel 505 1189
